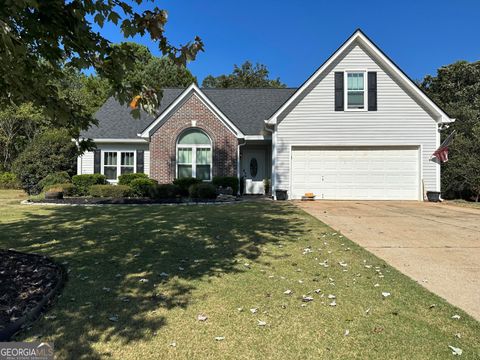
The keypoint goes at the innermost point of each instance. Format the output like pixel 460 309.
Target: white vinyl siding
pixel 146 162
pixel 85 162
pixel 399 120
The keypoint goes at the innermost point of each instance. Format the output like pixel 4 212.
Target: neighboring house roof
pixel 245 108
pixel 360 37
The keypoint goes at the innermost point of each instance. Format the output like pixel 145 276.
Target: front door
pixel 253 169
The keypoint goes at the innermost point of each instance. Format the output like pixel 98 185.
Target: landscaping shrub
pixel 84 182
pixel 60 177
pixel 226 181
pixel 164 191
pixel 185 183
pixel 113 191
pixel 202 191
pixel 49 152
pixel 8 180
pixel 142 187
pixel 126 179
pixel 68 189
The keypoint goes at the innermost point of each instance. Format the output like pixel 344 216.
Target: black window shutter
pixel 372 91
pixel 140 161
pixel 97 154
pixel 339 94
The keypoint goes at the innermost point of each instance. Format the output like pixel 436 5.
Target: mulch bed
pixel 28 283
pixel 119 201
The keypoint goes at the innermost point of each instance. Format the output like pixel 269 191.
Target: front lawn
pixel 139 276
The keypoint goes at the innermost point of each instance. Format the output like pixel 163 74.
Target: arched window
pixel 194 155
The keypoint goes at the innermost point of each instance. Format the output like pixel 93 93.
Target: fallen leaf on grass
pixel 202 317
pixel 455 350
pixel 378 329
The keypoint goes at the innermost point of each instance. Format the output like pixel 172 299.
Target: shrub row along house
pixel 358 128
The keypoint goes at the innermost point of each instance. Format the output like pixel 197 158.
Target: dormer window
pixel 355 91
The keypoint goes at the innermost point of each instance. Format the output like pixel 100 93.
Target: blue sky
pixel 293 38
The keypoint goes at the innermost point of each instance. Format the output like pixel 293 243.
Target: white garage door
pixel 356 173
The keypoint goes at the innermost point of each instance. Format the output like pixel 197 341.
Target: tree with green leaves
pixel 18 126
pixel 158 73
pixel 456 88
pixel 245 76
pixel 39 38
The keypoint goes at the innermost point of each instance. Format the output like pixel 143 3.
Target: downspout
pixel 274 152
pixel 238 165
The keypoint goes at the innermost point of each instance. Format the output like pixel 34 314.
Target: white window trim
pixel 365 89
pixel 194 148
pixel 119 162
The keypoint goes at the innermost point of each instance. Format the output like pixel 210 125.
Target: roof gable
pixel 358 37
pixel 191 90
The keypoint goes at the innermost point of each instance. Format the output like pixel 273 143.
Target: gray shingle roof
pixel 246 108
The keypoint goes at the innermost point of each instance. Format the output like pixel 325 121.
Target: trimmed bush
pixel 126 179
pixel 8 180
pixel 202 191
pixel 226 181
pixel 142 187
pixel 68 189
pixel 84 182
pixel 60 177
pixel 185 183
pixel 113 191
pixel 49 152
pixel 164 191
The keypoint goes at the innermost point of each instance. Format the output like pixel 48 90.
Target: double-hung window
pixel 355 90
pixel 116 163
pixel 194 155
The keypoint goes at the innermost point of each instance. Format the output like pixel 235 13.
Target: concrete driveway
pixel 437 245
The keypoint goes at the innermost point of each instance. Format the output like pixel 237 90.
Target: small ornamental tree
pixel 49 152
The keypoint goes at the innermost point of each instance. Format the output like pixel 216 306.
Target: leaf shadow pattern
pixel 127 262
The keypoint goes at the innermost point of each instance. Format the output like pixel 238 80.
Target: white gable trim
pixel 360 37
pixel 119 141
pixel 193 89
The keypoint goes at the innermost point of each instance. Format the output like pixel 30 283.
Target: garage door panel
pixel 356 173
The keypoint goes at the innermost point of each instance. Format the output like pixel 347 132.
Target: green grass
pixel 463 203
pixel 113 247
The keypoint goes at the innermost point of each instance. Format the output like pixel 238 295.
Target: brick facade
pixel 163 141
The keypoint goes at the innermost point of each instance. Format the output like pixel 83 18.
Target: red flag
pixel 442 152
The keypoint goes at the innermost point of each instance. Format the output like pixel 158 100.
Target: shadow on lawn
pixel 109 250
